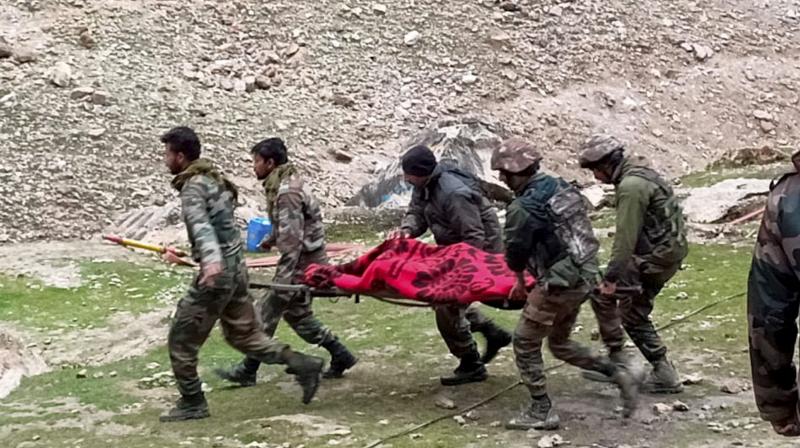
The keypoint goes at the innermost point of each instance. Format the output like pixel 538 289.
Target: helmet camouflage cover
pixel 514 155
pixel 597 148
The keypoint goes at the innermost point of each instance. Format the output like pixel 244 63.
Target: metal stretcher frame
pixel 310 292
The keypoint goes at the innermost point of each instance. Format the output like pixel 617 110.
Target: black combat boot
pixel 469 370
pixel 244 373
pixel 539 416
pixel 663 379
pixel 619 357
pixel 307 370
pixel 496 338
pixel 341 359
pixel 188 407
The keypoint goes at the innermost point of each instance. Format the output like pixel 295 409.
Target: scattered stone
pixel 683 295
pixel 766 126
pixel 551 441
pixel 680 406
pixel 495 424
pixel 82 374
pixel 98 375
pixel 342 156
pixel 61 75
pixel 555 11
pixel 510 6
pixel 661 409
pixel 762 115
pixel 469 79
pixel 379 9
pixel 81 92
pixel 415 436
pixel 292 50
pixel 657 133
pixel 96 133
pixel 412 38
pixel 100 97
pixel 702 52
pixel 343 100
pixel 383 422
pixel 460 420
pixel 263 82
pixel 499 36
pixel 444 403
pixel 733 386
pixel 249 84
pixel 5 51
pixel 24 55
pixel 472 415
pixel 85 39
pixel 152 366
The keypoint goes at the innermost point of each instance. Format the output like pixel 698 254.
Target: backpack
pixel 567 209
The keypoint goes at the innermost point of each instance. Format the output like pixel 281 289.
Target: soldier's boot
pixel 244 373
pixel 469 370
pixel 539 416
pixel 341 359
pixel 307 371
pixel 496 338
pixel 628 385
pixel 663 379
pixel 188 407
pixel 618 357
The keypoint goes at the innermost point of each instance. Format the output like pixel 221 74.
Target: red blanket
pixel 410 269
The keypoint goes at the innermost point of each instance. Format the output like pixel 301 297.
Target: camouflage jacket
pixel 452 206
pixel 650 227
pixel 296 217
pixel 772 302
pixel 207 203
pixel 532 241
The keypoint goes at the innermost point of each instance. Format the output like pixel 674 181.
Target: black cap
pixel 419 161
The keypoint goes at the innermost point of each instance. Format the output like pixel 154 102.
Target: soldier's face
pixel 512 181
pixel 262 167
pixel 175 161
pixel 601 175
pixel 417 181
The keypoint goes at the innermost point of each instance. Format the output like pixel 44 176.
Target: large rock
pixel 466 143
pixel 715 203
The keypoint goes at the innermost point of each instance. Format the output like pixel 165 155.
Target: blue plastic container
pixel 257 230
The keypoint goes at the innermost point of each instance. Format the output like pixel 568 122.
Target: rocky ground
pixel 87 86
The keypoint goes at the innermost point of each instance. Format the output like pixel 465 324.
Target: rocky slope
pixel 87 86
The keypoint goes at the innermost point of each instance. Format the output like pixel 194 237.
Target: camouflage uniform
pixel 772 302
pixel 207 208
pixel 649 246
pixel 563 285
pixel 452 207
pixel 299 235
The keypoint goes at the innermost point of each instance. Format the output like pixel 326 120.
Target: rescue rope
pixel 676 321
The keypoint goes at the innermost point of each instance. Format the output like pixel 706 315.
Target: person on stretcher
pixel 449 203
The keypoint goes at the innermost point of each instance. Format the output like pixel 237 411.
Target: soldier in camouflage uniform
pixel 299 235
pixel 548 231
pixel 772 305
pixel 649 246
pixel 449 203
pixel 219 292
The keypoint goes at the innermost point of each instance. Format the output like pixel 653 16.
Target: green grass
pixel 401 359
pixel 107 288
pixel 713 175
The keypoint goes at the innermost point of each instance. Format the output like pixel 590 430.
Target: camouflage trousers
pixel 632 312
pixel 201 308
pixel 551 315
pixel 456 323
pixel 295 308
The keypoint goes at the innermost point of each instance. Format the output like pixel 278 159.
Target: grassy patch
pixel 712 176
pixel 107 287
pixel 395 384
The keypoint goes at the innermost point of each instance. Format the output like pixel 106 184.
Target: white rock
pixel 762 115
pixel 661 409
pixel 550 441
pixel 61 75
pixel 412 38
pixel 469 79
pixel 379 9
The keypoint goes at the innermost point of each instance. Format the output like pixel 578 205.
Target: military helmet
pixel 515 155
pixel 597 148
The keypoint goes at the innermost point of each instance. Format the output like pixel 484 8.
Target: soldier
pixel 772 304
pixel 299 236
pixel 449 203
pixel 649 245
pixel 548 231
pixel 219 291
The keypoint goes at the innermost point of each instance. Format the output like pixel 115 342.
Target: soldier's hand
pixel 170 257
pixel 398 233
pixel 265 246
pixel 607 288
pixel 209 273
pixel 518 292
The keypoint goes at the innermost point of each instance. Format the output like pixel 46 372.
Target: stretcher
pixel 309 293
